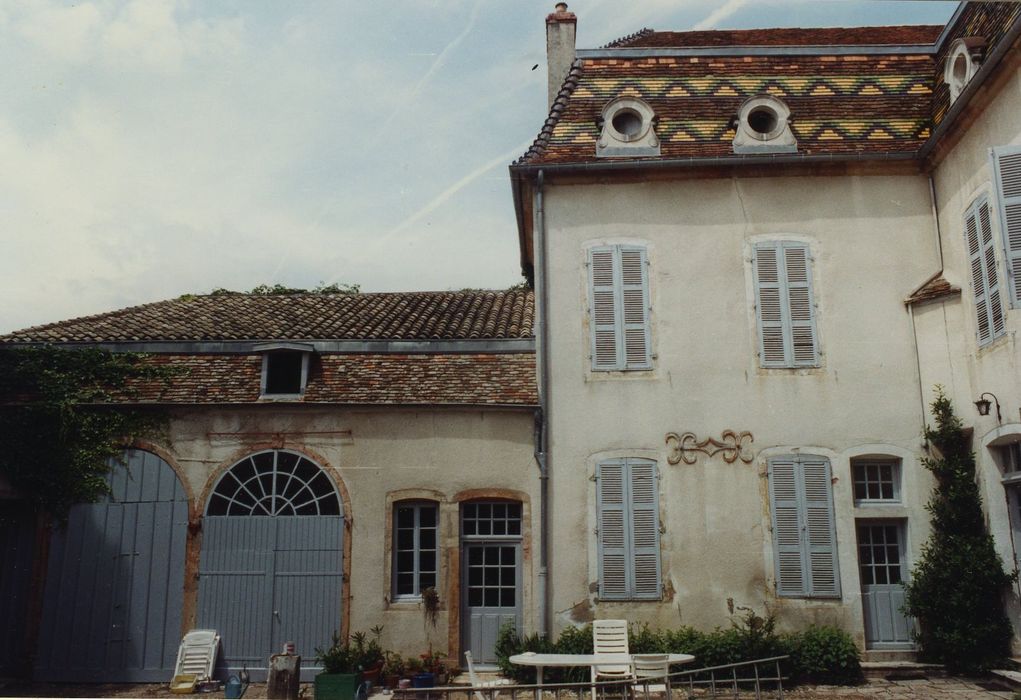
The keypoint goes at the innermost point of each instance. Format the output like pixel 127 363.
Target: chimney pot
pixel 561 7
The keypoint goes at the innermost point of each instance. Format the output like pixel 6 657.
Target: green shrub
pixel 822 655
pixel 957 586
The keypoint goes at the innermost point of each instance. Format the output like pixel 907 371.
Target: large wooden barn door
pixel 115 581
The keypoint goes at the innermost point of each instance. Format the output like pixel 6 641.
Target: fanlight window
pixel 274 483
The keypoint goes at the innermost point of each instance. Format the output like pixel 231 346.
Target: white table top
pixel 532 659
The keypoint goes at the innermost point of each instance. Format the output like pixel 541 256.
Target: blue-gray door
pixel 115 581
pixel 491 566
pixel 17 549
pixel 883 571
pixel 271 569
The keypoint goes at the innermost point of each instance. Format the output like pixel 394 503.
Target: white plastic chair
pixel 651 667
pixel 610 637
pixel 477 683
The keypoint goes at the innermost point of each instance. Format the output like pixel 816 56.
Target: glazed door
pixel 882 565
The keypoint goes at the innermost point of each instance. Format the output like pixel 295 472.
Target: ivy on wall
pixel 63 418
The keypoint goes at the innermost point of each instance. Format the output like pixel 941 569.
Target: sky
pixel 153 148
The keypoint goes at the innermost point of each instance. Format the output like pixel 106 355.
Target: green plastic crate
pixel 337 686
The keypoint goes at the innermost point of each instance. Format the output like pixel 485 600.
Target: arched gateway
pixel 271 568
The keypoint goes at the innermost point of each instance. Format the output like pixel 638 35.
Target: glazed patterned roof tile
pixel 839 104
pixel 243 317
pixel 370 379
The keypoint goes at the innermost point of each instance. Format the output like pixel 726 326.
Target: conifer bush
pixel 956 589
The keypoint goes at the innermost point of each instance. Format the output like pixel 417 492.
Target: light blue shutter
pixel 612 530
pixel 800 307
pixel 984 282
pixel 1007 169
pixel 804 528
pixel 619 305
pixel 820 539
pixel 768 305
pixel 606 341
pixel 644 529
pixel 787 542
pixel 634 297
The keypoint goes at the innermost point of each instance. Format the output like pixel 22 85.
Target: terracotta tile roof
pixel 840 104
pixel 372 379
pixel 936 287
pixel 787 36
pixel 239 317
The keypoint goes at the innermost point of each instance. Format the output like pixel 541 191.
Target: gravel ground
pixel 922 689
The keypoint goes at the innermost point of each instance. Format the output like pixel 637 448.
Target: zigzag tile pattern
pixel 839 104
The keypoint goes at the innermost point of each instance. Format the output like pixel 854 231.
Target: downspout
pixel 542 456
pixel 911 308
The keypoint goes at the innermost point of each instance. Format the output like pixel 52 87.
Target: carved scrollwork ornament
pixel 686 446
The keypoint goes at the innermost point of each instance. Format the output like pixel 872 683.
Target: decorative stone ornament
pixel 627 129
pixel 733 445
pixel 763 126
pixel 963 60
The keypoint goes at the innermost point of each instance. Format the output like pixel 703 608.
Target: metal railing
pixel 759 678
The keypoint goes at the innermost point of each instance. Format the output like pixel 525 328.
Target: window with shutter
pixel 784 305
pixel 804 529
pixel 619 308
pixel 1007 169
pixel 978 235
pixel 627 500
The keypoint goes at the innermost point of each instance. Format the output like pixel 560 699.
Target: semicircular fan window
pixel 274 483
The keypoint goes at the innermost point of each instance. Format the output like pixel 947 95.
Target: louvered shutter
pixel 800 307
pixel 984 280
pixel 804 529
pixel 644 520
pixel 820 529
pixel 1007 167
pixel 606 341
pixel 768 306
pixel 619 304
pixel 787 544
pixel 612 530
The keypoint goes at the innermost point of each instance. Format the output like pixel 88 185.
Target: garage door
pixel 271 569
pixel 115 581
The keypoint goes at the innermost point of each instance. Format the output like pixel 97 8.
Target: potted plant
pixel 370 654
pixel 342 673
pixel 433 670
pixel 394 668
pixel 420 675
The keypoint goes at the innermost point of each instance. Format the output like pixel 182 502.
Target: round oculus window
pixel 627 122
pixel 763 120
pixel 960 69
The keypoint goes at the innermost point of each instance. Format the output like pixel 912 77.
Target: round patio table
pixel 541 661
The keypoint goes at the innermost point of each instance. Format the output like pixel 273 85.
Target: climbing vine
pixel 63 418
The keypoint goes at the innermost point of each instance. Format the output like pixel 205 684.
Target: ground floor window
pixel 415 526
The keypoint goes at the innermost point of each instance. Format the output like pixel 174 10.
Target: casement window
pixel 619 308
pixel 876 481
pixel 784 306
pixel 985 283
pixel 414 550
pixel 1007 169
pixel 804 531
pixel 628 529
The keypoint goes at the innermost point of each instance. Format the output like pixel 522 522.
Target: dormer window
pixel 961 64
pixel 284 369
pixel 627 129
pixel 763 126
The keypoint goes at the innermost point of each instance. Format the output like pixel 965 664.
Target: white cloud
pixel 66 33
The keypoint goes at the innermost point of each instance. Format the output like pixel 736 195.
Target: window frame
pixel 895 478
pixel 620 325
pixel 267 350
pixel 787 323
pixel 417 505
pixel 629 551
pixel 1011 258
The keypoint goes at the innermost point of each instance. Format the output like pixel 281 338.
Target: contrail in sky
pixel 720 13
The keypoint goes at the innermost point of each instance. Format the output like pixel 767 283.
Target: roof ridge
pixel 559 105
pixel 621 41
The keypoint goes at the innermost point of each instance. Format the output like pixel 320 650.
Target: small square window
pixel 876 481
pixel 284 372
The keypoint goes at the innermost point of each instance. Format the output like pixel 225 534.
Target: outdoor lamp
pixel 982 404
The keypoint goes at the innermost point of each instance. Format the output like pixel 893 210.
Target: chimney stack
pixel 560 37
